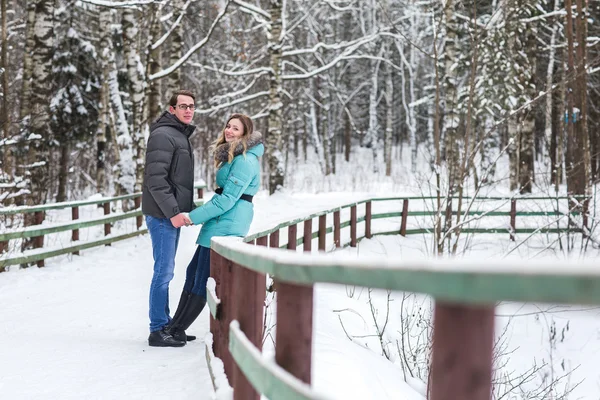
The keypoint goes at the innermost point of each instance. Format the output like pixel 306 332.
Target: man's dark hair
pixel 173 101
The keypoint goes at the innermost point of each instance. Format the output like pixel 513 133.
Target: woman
pixel 228 213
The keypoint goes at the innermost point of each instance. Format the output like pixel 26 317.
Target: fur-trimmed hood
pixel 221 153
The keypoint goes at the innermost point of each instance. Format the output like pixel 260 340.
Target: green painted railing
pixel 38 231
pixel 463 290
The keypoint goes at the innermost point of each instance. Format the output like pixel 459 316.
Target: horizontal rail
pixel 39 230
pixel 70 204
pixel 266 376
pixel 540 282
pixel 36 255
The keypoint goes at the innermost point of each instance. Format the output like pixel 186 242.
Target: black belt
pixel 246 197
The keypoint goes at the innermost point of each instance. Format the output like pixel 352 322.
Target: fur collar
pixel 222 150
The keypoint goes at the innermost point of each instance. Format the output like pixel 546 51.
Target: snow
pixel 77 329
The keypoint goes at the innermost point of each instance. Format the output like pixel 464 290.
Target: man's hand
pixel 180 220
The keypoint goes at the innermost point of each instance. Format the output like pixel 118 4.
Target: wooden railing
pixel 38 231
pixel 465 294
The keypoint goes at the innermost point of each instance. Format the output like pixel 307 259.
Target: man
pixel 167 197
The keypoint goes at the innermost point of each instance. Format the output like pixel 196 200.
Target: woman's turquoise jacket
pixel 226 214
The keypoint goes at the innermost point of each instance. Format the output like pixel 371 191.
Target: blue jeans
pixel 165 238
pixel 198 272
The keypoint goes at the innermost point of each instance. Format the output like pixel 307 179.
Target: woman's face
pixel 234 130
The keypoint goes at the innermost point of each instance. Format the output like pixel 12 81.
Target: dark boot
pixel 193 307
pixel 161 338
pixel 177 334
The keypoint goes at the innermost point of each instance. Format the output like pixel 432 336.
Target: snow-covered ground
pixel 77 329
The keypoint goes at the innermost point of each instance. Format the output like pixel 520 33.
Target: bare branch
pixel 194 48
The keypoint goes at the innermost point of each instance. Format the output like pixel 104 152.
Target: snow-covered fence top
pixel 22 237
pixel 465 291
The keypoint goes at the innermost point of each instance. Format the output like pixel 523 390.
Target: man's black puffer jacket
pixel 169 174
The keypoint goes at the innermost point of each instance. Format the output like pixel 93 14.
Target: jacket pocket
pixel 235 186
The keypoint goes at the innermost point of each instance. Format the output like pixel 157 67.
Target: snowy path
pixel 78 330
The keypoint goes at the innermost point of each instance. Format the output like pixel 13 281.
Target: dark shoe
pixel 193 307
pixel 162 339
pixel 180 335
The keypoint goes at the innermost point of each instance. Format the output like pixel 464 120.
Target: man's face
pixel 182 110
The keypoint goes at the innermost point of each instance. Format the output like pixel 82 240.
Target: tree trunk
pixel 560 137
pixel 41 86
pixel 389 120
pixel 63 172
pixel 27 60
pixel 154 65
pixel 451 117
pixel 5 155
pixel 176 49
pixel 136 91
pixel 527 137
pixel 347 137
pixel 550 151
pixel 576 174
pixel 124 168
pixel 274 148
pixel 372 137
pixel 513 152
pixel 526 153
pixel 314 126
pixel 581 126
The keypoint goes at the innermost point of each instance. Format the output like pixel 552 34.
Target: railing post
pixel 292 237
pixel 260 291
pixel 404 217
pixel 248 311
pixel 262 241
pixel 293 339
pixel 107 225
pixel 274 239
pixel 75 233
pixel 322 232
pixel 216 326
pixel 463 340
pixel 38 241
pixel 336 229
pixel 513 218
pixel 138 220
pixel 227 315
pixel 368 220
pixel 307 235
pixel 200 193
pixel 353 226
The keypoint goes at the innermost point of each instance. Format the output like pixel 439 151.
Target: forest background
pixel 462 82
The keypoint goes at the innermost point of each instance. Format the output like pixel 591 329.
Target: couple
pixel 167 198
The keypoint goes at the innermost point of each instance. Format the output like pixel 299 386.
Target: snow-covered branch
pixel 252 9
pixel 237 93
pixel 344 55
pixel 256 71
pixel 175 25
pixel 232 103
pixel 194 48
pixel 335 46
pixel 121 4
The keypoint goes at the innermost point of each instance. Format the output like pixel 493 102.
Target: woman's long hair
pixel 243 140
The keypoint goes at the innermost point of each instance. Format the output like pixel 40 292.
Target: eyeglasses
pixel 186 107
